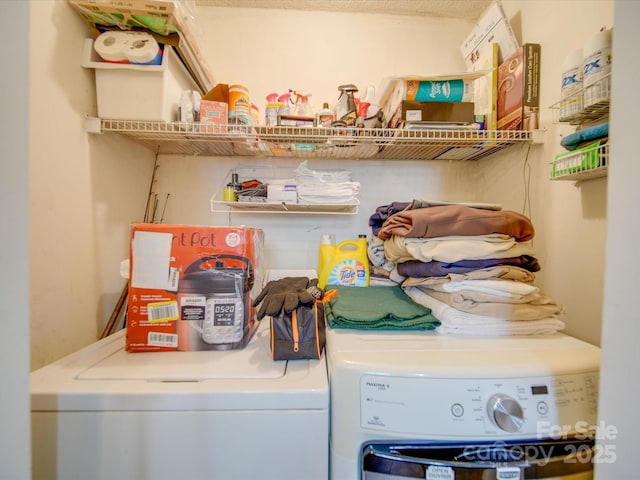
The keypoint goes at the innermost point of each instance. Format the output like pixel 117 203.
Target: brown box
pixel 519 89
pixel 439 112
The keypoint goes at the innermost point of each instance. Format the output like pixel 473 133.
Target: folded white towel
pixel 497 287
pixel 454 321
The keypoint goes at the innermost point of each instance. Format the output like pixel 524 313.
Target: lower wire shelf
pixel 582 164
pixel 283 207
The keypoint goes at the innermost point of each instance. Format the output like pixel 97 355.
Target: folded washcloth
pixel 377 307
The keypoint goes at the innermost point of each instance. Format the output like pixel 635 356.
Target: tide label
pixel 350 273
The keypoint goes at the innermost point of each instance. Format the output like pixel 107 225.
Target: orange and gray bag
pixel 299 334
pixel 296 308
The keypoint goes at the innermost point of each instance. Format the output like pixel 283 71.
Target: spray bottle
pixel 302 108
pixel 346 110
pixel 373 117
pixel 271 112
pixel 344 264
pixel 283 109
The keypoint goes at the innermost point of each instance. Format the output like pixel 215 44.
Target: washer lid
pixel 252 362
pixel 452 356
pixel 104 377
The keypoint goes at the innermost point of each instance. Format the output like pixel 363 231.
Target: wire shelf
pixel 315 142
pixel 583 164
pixel 586 105
pixel 261 205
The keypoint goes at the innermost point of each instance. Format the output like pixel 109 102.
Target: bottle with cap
pixel 232 189
pixel 325 116
pixel 326 253
pixel 271 112
pixel 348 263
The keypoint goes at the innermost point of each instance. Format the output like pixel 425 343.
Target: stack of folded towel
pixel 377 308
pixel 325 186
pixel 471 266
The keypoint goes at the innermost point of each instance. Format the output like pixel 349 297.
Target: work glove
pixel 286 293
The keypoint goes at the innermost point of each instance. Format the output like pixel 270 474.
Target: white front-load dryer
pixel 103 414
pixel 426 405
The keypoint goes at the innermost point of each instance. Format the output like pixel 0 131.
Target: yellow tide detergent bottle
pixel 344 264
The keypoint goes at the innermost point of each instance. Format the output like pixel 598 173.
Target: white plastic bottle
pixel 325 116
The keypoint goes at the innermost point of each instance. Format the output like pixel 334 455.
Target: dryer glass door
pixel 551 459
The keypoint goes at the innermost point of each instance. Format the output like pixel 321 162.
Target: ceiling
pixel 461 9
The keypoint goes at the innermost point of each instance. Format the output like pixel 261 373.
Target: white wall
pixel 619 390
pixel 570 219
pixel 15 444
pixel 84 191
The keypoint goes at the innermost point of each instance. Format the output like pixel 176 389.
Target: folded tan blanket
pixel 450 220
pixel 532 307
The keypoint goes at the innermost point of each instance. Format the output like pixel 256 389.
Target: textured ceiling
pixel 463 9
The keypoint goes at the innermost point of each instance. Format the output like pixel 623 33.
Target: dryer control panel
pixel 544 406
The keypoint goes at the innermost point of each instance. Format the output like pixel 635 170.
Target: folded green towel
pixel 378 307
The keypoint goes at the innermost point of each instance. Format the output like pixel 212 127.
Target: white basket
pixel 139 92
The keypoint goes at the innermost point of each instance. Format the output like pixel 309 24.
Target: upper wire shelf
pixel 315 142
pixel 586 105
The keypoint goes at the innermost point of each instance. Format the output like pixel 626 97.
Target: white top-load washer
pixel 104 413
pixel 426 405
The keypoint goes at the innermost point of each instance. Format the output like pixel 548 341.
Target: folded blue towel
pixel 571 142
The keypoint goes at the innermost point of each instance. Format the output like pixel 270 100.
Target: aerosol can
pixel 346 110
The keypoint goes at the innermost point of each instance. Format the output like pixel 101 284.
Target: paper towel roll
pixel 128 47
pixel 145 50
pixel 109 46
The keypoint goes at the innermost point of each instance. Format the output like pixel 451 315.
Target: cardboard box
pixel 492 27
pixel 485 88
pixel 192 287
pixel 456 87
pixel 519 89
pixel 213 116
pixel 439 112
pixel 139 92
pixel 282 191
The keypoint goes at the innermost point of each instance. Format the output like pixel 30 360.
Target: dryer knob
pixel 505 412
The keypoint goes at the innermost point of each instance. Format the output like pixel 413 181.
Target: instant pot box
pixel 192 287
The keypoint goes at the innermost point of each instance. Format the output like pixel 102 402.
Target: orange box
pixel 213 112
pixel 192 287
